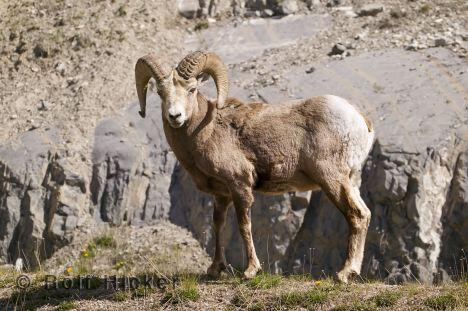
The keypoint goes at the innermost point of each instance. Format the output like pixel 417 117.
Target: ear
pixel 203 77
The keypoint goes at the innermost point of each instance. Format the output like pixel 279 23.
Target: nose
pixel 174 116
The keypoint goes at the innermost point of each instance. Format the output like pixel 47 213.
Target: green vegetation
pixel 264 292
pixel 304 299
pixel 239 299
pixel 89 251
pixel 357 306
pixel 105 241
pixel 65 306
pixel 264 281
pixel 441 302
pixel 387 298
pixel 203 24
pixel 7 276
pixel 187 290
pixel 142 291
pixel 121 296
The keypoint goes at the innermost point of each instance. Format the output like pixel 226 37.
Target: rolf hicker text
pixel 111 282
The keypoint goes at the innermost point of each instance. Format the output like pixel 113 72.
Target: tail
pixel 371 136
pixel 370 126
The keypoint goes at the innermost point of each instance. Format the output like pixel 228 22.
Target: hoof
pixel 215 269
pixel 342 277
pixel 251 272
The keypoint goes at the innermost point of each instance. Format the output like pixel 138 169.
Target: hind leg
pixel 345 195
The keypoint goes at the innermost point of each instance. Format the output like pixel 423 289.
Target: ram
pixel 232 149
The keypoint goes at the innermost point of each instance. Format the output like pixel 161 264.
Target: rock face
pixel 132 167
pixel 453 257
pixel 253 36
pixel 43 194
pixel 414 182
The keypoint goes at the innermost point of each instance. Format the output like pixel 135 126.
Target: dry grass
pixel 101 255
pixel 265 292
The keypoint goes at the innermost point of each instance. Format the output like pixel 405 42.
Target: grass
pixel 240 299
pixel 7 276
pixel 357 306
pixel 65 306
pixel 105 241
pixel 89 251
pixel 442 302
pixel 264 281
pixel 304 299
pixel 264 292
pixel 387 298
pixel 186 291
pixel 120 296
pixel 143 291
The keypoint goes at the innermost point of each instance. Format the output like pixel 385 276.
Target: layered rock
pixel 132 167
pixel 43 196
pixel 453 256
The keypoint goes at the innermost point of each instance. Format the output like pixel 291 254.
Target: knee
pixel 365 215
pixel 360 220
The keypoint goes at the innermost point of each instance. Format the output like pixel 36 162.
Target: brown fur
pixel 270 149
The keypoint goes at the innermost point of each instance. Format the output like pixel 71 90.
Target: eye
pixel 192 90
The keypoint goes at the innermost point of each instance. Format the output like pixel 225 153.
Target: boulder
pixel 287 7
pixel 188 8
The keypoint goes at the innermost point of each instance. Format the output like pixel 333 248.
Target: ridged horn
pixel 146 67
pixel 208 62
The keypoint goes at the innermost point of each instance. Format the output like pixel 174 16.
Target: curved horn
pixel 197 62
pixel 146 67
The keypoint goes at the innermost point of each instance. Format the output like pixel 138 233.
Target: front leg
pixel 219 220
pixel 243 200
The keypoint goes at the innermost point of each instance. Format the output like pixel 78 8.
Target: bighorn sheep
pixel 231 149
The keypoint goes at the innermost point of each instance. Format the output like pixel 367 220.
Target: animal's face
pixel 178 87
pixel 179 99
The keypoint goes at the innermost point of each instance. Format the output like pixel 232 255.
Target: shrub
pixel 105 241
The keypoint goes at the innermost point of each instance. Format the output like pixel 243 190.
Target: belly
pixel 279 187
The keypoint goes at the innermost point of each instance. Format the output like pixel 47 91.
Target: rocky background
pixel 75 156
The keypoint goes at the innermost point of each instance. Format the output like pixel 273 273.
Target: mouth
pixel 176 124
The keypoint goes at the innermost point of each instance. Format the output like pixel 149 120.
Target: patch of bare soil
pixel 67 64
